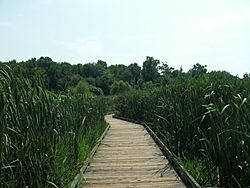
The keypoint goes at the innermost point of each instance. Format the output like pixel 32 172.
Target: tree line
pixel 99 78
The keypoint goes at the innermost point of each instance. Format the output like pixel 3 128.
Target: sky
pixel 215 33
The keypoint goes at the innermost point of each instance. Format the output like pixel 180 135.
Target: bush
pixel 120 87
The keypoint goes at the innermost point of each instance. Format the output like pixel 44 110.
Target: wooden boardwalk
pixel 128 157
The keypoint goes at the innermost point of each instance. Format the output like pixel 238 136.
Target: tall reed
pixel 204 121
pixel 41 132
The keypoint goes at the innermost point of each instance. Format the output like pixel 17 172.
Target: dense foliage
pixel 204 118
pixel 120 87
pixel 52 114
pixel 44 137
pixel 61 77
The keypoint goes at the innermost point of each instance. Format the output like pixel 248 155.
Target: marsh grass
pixel 204 121
pixel 44 137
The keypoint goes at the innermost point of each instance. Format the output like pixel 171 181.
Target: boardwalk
pixel 128 157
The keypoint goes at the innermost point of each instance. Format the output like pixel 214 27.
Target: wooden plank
pixel 126 168
pixel 187 179
pixel 128 148
pixel 128 157
pixel 127 164
pixel 133 160
pixel 100 180
pixel 137 185
pixel 125 138
pixel 128 142
pixel 131 174
pixel 137 173
pixel 132 151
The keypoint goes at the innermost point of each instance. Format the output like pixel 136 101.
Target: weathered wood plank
pixel 171 184
pixel 128 157
pixel 130 179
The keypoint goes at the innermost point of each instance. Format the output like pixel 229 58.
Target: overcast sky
pixel 215 33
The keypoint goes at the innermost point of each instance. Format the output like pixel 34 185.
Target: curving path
pixel 128 157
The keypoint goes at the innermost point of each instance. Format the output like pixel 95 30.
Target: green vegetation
pixel 45 137
pixel 98 77
pixel 81 88
pixel 120 87
pixel 204 119
pixel 52 114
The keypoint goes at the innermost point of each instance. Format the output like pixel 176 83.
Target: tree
pixel 102 65
pixel 198 70
pixel 96 90
pixel 117 71
pixel 40 76
pixel 135 71
pixel 52 69
pixel 130 74
pixel 81 88
pixel 119 87
pixel 73 80
pixel 246 76
pixel 104 82
pixel 90 70
pixel 150 69
pixel 165 68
